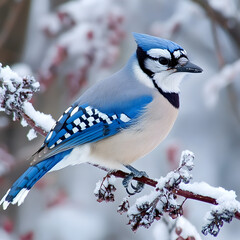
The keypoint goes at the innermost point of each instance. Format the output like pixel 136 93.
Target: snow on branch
pixel 227 207
pixel 85 38
pixel 15 94
pixel 151 207
pixel 164 198
pixel 224 77
pixel 15 91
pixel 104 189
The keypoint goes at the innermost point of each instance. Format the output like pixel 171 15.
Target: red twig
pixel 177 191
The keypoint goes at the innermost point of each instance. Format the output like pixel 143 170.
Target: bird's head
pixel 162 63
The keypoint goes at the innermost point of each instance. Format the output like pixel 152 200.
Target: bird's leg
pixel 128 179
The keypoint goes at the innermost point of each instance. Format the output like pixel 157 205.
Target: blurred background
pixel 68 46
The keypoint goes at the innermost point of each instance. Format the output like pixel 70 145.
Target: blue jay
pixel 118 120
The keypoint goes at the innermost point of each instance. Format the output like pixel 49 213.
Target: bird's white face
pixel 165 70
pixel 162 64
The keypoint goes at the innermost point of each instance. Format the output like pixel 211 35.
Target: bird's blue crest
pixel 147 42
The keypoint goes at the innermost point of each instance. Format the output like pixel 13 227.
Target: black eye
pixel 163 60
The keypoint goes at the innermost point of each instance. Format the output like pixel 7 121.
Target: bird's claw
pixel 128 181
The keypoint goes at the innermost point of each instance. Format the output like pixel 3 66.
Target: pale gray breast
pixel 131 144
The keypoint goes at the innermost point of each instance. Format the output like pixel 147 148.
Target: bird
pixel 117 120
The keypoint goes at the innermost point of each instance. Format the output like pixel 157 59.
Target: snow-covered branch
pixel 163 199
pixel 83 42
pixel 15 94
pixel 228 73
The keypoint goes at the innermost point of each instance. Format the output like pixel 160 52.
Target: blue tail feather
pixel 33 174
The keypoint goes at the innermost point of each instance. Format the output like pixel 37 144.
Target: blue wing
pixel 84 124
pixel 78 125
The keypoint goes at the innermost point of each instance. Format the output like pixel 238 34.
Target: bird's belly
pixel 132 144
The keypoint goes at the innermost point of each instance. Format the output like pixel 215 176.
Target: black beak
pixel 188 67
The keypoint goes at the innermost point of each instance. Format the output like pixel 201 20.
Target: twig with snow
pixel 105 188
pixel 163 199
pixel 151 207
pixel 15 94
pixel 83 42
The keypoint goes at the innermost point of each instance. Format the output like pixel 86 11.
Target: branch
pixel 162 200
pixel 229 24
pixel 33 124
pixel 70 24
pixel 15 94
pixel 177 191
pixel 39 121
pixel 228 82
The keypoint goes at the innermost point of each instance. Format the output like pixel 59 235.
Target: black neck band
pixel 173 98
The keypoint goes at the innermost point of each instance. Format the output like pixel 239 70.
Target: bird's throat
pixel 173 98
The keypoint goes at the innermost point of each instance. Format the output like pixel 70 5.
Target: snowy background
pixel 69 45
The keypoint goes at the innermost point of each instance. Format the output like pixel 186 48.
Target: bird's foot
pixel 129 178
